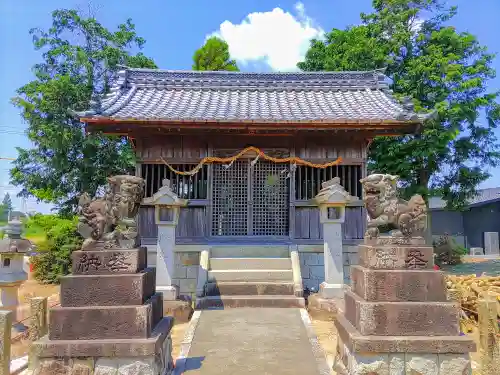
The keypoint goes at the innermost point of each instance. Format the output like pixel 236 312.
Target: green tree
pixel 442 70
pixel 7 202
pixel 214 55
pixel 79 59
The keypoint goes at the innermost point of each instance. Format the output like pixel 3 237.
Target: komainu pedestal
pixel 110 320
pixel 397 319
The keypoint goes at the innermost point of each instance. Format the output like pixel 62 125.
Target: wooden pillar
pixel 38 322
pixel 5 341
pixel 489 340
pixel 291 200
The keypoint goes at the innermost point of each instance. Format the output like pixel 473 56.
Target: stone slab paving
pixel 264 341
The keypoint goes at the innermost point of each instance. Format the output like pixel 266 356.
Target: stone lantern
pixel 332 200
pixel 167 207
pixel 12 274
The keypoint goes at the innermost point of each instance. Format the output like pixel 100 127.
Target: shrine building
pixel 249 152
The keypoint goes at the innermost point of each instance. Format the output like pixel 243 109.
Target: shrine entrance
pixel 250 198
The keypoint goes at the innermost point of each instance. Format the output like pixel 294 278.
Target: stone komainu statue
pixel 387 212
pixel 110 222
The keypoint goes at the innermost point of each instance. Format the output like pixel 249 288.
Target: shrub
pixel 447 251
pixel 54 253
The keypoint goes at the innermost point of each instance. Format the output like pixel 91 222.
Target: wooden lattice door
pixel 250 200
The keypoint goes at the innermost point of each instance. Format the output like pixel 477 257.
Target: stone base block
pixel 100 262
pixel 105 322
pixel 357 343
pixel 180 310
pixel 133 357
pixel 323 309
pixel 169 292
pixel 107 290
pixel 349 363
pixel 124 348
pixel 328 291
pixel 396 257
pixel 402 318
pixel 388 240
pixel 398 285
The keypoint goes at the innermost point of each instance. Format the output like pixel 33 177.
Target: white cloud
pixel 277 38
pixel 417 24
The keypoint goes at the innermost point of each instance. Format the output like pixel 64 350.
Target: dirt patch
pixel 178 332
pixel 327 336
pixel 33 288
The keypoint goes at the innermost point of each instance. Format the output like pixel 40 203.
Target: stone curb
pixel 318 352
pixel 180 362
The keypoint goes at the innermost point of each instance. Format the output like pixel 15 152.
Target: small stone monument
pixel 491 243
pixel 397 319
pixel 110 319
pixel 12 274
pixel 167 208
pixel 331 201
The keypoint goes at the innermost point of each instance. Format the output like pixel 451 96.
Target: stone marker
pixel 12 274
pixel 491 244
pixel 110 319
pixel 397 317
pixel 331 201
pixel 167 208
pixel 476 251
pixel 5 341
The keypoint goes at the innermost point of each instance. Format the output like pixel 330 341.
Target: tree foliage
pixel 214 55
pixel 53 258
pixel 5 207
pixel 79 59
pixel 7 202
pixel 442 70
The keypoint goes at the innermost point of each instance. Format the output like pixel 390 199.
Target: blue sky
pixel 263 35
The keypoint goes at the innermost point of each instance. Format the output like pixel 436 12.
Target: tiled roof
pixel 145 94
pixel 483 196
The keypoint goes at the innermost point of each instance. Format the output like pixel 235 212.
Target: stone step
pixel 221 302
pixel 249 251
pixel 235 288
pixel 250 275
pixel 250 263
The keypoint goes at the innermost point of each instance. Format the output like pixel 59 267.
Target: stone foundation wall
pixel 187 261
pixel 186 268
pixel 312 266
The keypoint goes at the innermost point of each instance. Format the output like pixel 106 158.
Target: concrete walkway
pixel 264 341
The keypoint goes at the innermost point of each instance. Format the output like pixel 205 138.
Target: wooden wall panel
pixel 355 223
pixel 329 148
pixel 183 147
pixel 175 147
pixel 308 227
pixel 192 223
pixel 147 225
